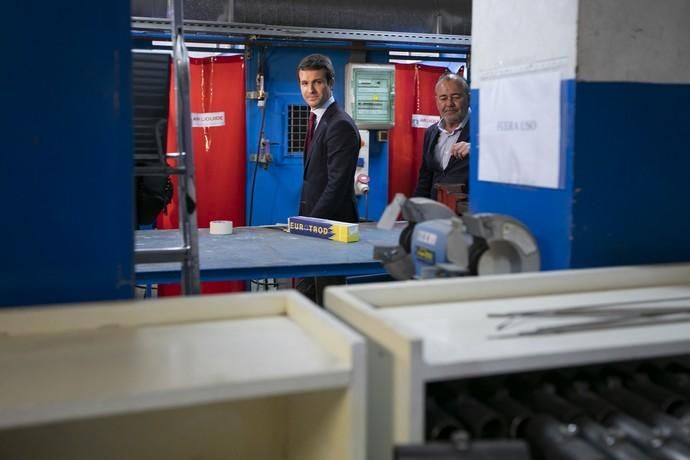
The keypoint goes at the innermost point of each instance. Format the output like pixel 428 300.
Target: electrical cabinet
pixel 420 332
pixel 251 376
pixel 370 95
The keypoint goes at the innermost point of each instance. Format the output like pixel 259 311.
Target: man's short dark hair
pixel 317 62
pixel 450 76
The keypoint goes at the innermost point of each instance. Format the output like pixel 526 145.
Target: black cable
pixel 258 147
pixel 256 165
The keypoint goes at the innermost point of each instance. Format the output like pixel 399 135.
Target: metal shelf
pixel 253 31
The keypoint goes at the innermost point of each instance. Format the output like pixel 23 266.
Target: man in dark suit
pixel 445 159
pixel 330 157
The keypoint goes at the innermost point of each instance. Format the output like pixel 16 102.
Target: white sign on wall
pixel 424 121
pixel 207 119
pixel 520 129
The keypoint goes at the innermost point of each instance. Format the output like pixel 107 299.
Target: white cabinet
pixel 435 330
pixel 241 376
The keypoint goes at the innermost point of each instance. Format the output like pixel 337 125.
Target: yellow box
pixel 344 232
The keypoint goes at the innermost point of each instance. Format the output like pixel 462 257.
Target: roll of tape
pixel 221 227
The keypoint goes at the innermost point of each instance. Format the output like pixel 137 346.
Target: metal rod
pixel 158 256
pixel 158 171
pixel 650 311
pixel 581 308
pixel 191 280
pixel 590 326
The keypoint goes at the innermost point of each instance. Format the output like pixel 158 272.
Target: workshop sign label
pixel 208 119
pixel 424 121
pixel 520 129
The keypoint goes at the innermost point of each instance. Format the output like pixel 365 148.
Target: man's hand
pixel 460 150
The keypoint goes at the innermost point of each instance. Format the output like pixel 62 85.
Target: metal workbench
pixel 267 252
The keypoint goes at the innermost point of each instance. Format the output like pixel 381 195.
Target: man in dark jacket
pixel 445 159
pixel 330 157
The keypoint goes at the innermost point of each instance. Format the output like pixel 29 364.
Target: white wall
pixel 633 40
pixel 514 35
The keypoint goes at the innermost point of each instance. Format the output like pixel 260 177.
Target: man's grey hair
pixel 450 76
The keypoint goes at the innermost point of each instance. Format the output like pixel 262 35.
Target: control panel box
pixel 370 95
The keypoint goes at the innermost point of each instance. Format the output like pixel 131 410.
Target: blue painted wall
pixel 277 189
pixel 371 207
pixel 547 212
pixel 67 154
pixel 630 202
pixel 627 157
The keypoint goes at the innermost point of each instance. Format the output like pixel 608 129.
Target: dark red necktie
pixel 310 134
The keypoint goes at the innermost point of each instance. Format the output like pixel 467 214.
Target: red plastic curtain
pixel 414 94
pixel 217 96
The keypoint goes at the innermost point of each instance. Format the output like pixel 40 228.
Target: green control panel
pixel 370 95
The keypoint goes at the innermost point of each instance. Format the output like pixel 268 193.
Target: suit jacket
pixel 430 171
pixel 329 168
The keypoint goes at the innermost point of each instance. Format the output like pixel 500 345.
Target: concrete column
pixel 624 125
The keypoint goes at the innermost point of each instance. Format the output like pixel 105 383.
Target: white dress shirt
pixel 446 139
